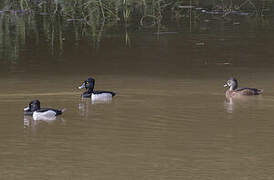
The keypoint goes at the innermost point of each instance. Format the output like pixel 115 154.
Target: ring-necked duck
pixel 234 91
pixel 36 111
pixel 95 95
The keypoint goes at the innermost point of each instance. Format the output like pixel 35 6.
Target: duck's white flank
pixel 101 97
pixel 47 115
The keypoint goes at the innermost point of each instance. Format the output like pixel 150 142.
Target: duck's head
pixel 33 106
pixel 232 83
pixel 88 84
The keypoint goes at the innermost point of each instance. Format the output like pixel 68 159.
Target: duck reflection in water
pixel 231 105
pixel 85 106
pixel 33 125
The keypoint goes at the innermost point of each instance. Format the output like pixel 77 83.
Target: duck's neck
pixel 232 88
pixel 90 90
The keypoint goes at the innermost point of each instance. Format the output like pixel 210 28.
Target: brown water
pixel 169 120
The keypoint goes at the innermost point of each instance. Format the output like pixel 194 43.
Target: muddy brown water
pixel 169 119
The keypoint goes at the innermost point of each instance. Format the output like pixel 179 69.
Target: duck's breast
pixel 230 94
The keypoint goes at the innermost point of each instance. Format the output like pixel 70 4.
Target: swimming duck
pixel 37 112
pixel 234 91
pixel 95 95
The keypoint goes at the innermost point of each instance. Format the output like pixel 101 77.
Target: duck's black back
pixel 30 113
pixel 58 112
pixel 101 92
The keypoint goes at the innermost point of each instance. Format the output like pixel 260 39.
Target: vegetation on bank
pixel 33 20
pixel 133 11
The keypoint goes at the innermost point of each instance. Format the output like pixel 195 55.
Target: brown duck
pixel 234 91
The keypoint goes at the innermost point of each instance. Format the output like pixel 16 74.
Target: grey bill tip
pixel 82 86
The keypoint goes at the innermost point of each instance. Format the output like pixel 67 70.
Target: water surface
pixel 169 120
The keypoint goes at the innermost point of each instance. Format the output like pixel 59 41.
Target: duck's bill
pixel 82 86
pixel 225 85
pixel 26 108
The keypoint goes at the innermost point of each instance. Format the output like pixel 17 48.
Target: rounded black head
pixel 34 105
pixel 88 84
pixel 90 81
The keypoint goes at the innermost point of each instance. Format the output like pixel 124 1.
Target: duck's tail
pixel 63 110
pixel 260 91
